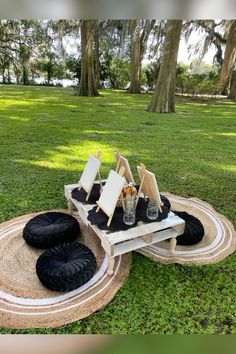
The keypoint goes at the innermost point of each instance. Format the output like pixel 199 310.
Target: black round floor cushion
pixel 50 229
pixel 66 267
pixel 193 232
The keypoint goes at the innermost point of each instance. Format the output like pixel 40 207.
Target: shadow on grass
pixel 47 144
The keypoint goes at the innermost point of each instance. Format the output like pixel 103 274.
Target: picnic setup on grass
pixel 60 266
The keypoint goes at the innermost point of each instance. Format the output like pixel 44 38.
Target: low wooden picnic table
pixel 119 242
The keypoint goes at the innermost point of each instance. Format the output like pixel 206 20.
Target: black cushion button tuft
pixel 66 267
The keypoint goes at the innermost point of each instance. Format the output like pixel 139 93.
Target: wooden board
pixel 134 244
pixel 149 185
pixel 89 174
pixel 144 229
pixel 123 162
pixel 110 193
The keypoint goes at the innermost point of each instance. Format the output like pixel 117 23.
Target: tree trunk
pixel 135 57
pixel 138 47
pixel 8 75
pixel 24 59
pixel 232 94
pixel 17 79
pixel 149 24
pixel 163 99
pixel 25 77
pixel 229 59
pixel 49 73
pixel 3 76
pixel 87 82
pixel 97 65
pixel 49 76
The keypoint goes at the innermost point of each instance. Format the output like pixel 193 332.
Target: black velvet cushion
pixel 81 195
pixel 193 232
pixel 117 224
pixel 50 229
pixel 66 267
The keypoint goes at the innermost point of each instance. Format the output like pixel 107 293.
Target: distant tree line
pixel 110 54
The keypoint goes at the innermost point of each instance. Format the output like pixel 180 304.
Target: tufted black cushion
pixel 66 267
pixel 50 229
pixel 193 232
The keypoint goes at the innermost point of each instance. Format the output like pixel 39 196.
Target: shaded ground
pixel 204 98
pixel 46 135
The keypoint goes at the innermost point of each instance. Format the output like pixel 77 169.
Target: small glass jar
pixel 152 210
pixel 129 210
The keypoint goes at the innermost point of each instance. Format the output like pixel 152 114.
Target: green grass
pixel 46 135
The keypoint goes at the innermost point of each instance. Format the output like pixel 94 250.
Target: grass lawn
pixel 46 135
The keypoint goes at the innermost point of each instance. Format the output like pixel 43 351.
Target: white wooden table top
pixel 141 229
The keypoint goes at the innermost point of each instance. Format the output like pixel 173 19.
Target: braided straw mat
pixel 218 242
pixel 25 303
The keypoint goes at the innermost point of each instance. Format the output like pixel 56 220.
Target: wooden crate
pixel 142 235
pixel 120 242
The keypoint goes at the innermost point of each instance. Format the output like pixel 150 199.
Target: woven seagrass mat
pixel 25 303
pixel 218 242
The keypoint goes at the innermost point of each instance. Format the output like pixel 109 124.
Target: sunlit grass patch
pixel 46 136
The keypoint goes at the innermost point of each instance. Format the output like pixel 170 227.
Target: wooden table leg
pixel 173 243
pixel 111 263
pixel 70 206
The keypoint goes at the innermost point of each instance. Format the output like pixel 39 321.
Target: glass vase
pixel 129 210
pixel 152 210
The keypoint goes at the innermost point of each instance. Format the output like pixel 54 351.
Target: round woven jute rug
pixel 218 242
pixel 25 303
